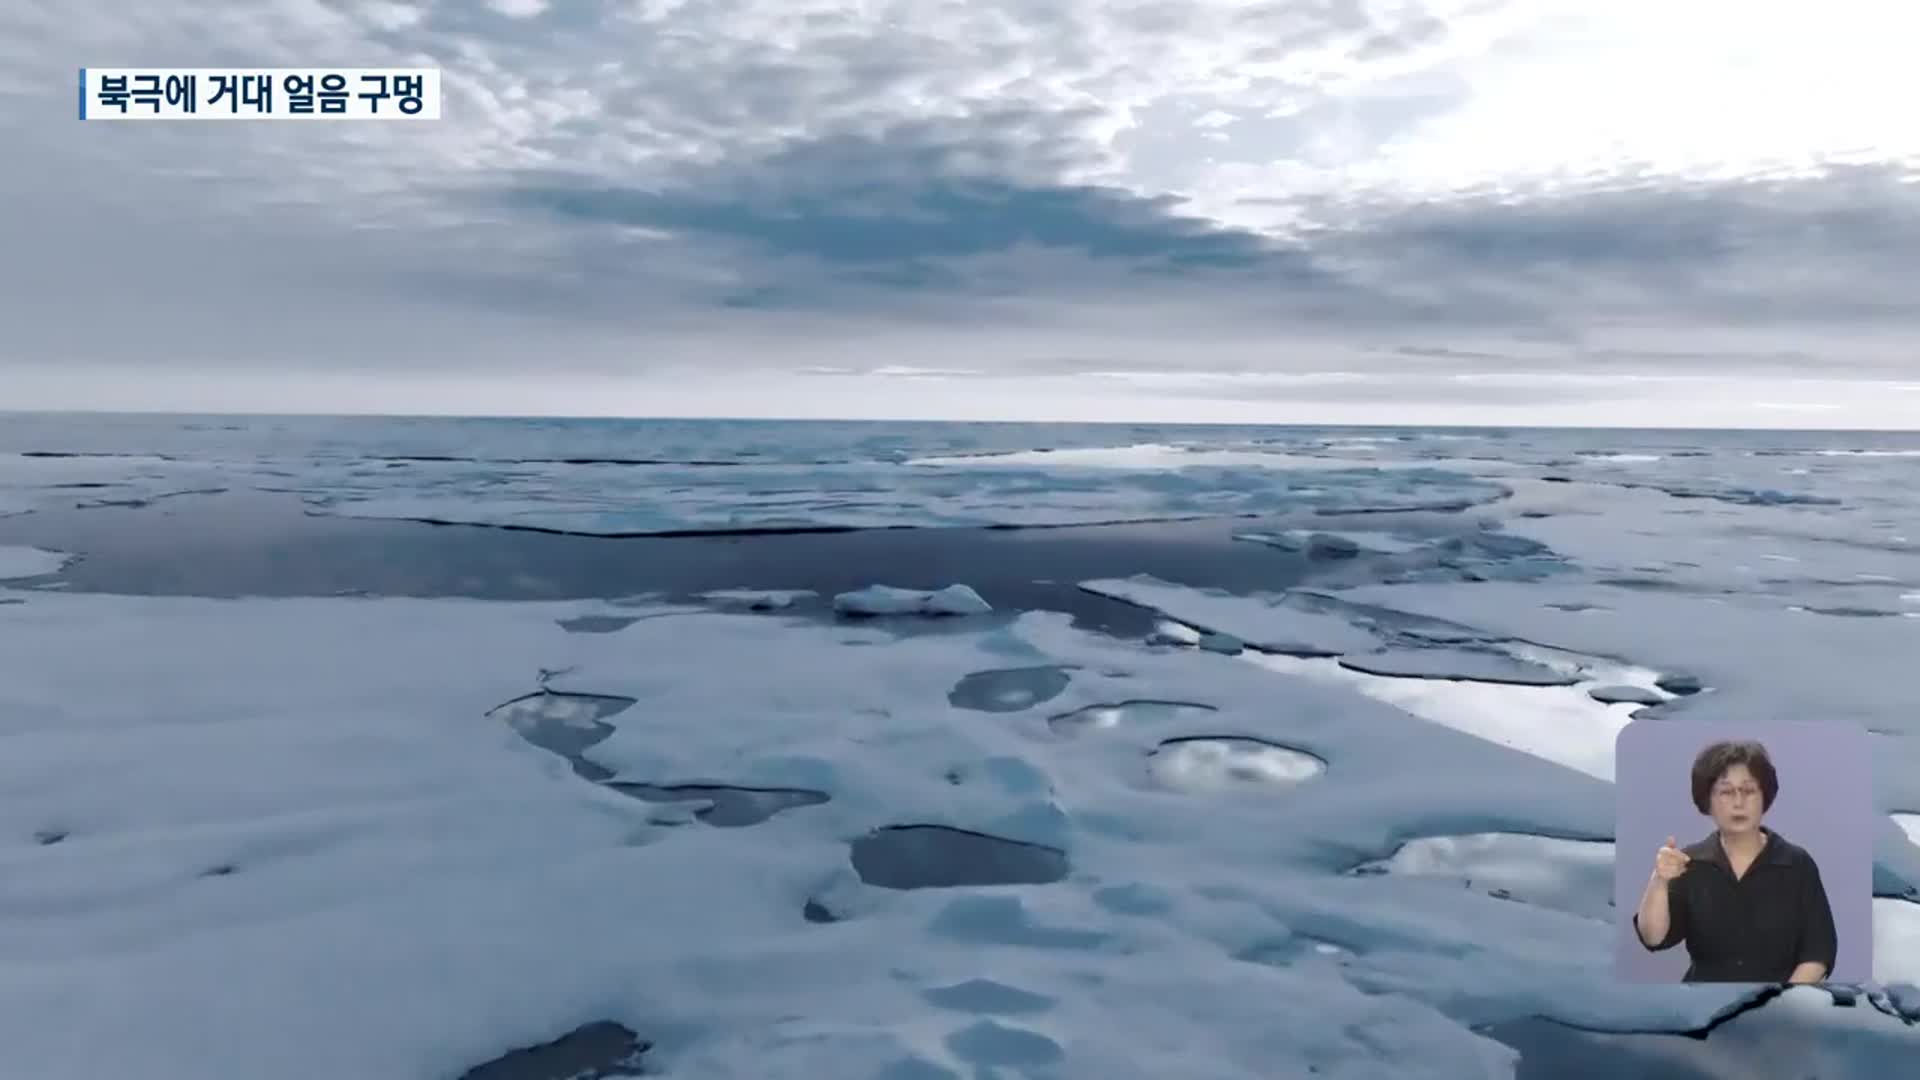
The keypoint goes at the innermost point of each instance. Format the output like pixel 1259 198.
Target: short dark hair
pixel 1713 763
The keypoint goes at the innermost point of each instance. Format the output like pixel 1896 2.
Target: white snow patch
pixel 414 889
pixel 1230 764
pixel 27 562
pixel 1536 868
pixel 758 599
pixel 1896 941
pixel 1909 824
pixel 889 600
pixel 1279 622
pixel 1561 724
pixel 1558 723
pixel 1625 457
pixel 1168 632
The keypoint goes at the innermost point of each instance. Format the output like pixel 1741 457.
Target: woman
pixel 1749 904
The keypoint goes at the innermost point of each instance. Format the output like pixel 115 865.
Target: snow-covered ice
pixel 1457 664
pixel 758 599
pixel 876 600
pixel 1532 699
pixel 1106 717
pixel 1332 545
pixel 676 477
pixel 1289 624
pixel 1201 764
pixel 1909 824
pixel 1570 875
pixel 404 839
pixel 342 763
pixel 27 562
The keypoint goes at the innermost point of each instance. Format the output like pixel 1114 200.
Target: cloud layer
pixel 1393 203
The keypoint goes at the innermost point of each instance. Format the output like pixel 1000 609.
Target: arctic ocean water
pixel 497 748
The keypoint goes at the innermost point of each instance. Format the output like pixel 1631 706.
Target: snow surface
pixel 1198 764
pixel 26 562
pixel 1560 723
pixel 1286 624
pixel 758 599
pixel 360 830
pixel 891 600
pixel 1909 824
pixel 415 889
pixel 1570 875
pixel 1896 941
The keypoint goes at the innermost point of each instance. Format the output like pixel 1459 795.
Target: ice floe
pixel 758 599
pixel 1012 848
pixel 1331 545
pixel 877 600
pixel 1290 624
pixel 27 562
pixel 339 759
pixel 1569 875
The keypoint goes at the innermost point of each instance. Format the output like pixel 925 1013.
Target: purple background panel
pixel 1825 805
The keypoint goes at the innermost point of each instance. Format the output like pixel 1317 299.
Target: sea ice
pixel 614 499
pixel 1139 457
pixel 1287 623
pixel 414 889
pixel 1896 941
pixel 876 600
pixel 1799 1033
pixel 1550 715
pixel 1223 764
pixel 1570 875
pixel 758 599
pixel 1758 662
pixel 1105 717
pixel 1470 665
pixel 1331 545
pixel 1909 824
pixel 25 562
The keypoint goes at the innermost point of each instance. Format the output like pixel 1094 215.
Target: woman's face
pixel 1736 801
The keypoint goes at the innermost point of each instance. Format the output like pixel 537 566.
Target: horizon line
pixel 632 418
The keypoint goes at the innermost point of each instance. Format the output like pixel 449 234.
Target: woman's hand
pixel 1670 862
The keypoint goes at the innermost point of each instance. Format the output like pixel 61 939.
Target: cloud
pixel 1409 191
pixel 518 9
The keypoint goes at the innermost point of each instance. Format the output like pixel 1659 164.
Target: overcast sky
pixel 1615 212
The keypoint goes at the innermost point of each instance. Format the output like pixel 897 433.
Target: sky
pixel 1632 213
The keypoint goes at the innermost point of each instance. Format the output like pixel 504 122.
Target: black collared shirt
pixel 1755 928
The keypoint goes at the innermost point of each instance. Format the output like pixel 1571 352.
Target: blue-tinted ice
pixel 566 724
pixel 1009 689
